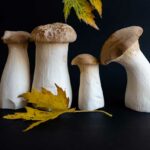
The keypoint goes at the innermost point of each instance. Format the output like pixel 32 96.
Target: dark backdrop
pixel 25 15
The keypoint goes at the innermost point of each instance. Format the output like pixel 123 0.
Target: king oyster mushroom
pixel 90 91
pixel 51 66
pixel 16 76
pixel 123 47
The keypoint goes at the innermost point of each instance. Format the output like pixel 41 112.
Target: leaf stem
pixel 86 111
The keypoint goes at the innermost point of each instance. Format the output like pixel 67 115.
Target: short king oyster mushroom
pixel 90 90
pixel 123 47
pixel 16 76
pixel 51 67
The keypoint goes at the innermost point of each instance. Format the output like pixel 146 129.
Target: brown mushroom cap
pixel 16 37
pixel 119 42
pixel 84 59
pixel 54 33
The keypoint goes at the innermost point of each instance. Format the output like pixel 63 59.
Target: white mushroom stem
pixel 90 90
pixel 138 73
pixel 52 68
pixel 15 78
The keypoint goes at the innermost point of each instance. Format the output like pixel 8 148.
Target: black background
pixel 127 130
pixel 25 15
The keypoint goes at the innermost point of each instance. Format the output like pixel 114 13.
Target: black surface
pixel 126 130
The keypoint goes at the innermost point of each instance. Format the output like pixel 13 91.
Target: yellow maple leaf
pixel 47 100
pixel 97 4
pixel 58 104
pixel 30 114
pixel 83 10
pixel 52 115
pixel 37 115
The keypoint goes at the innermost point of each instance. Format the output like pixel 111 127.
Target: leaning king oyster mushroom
pixel 51 66
pixel 123 47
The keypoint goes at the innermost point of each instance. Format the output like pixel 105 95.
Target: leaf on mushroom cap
pixel 84 59
pixel 119 42
pixel 16 37
pixel 54 33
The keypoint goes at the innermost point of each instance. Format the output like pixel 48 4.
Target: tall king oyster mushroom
pixel 16 76
pixel 51 66
pixel 123 47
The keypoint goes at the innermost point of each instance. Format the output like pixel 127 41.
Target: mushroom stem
pixel 52 68
pixel 15 78
pixel 137 95
pixel 90 91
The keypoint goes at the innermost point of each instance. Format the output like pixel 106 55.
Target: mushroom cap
pixel 16 37
pixel 119 42
pixel 84 59
pixel 54 33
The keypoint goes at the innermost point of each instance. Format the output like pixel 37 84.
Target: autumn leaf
pixel 47 100
pixel 97 4
pixel 52 115
pixel 68 4
pixel 56 104
pixel 36 115
pixel 43 116
pixel 83 10
pixel 30 114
